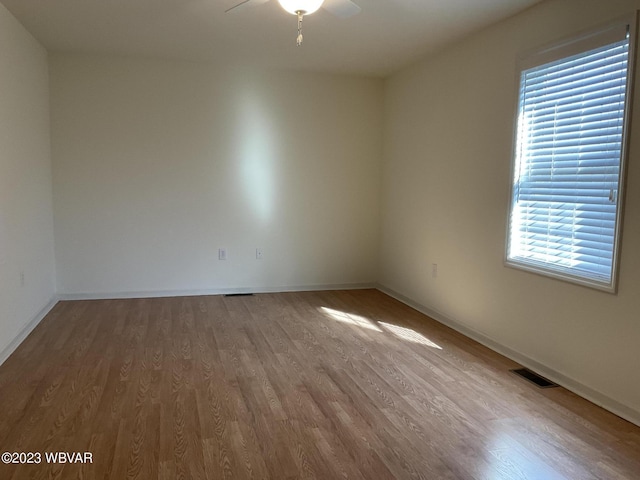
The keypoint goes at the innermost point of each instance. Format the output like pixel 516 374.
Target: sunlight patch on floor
pixel 409 334
pixel 350 318
pixel 360 321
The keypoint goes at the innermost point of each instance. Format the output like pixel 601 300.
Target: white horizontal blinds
pixel 568 158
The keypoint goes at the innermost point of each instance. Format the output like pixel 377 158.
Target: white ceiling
pixel 385 36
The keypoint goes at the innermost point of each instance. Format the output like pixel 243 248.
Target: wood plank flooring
pixel 324 385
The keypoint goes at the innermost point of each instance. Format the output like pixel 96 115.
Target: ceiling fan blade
pixel 245 3
pixel 341 8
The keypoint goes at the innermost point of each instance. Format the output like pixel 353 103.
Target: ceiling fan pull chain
pixel 299 39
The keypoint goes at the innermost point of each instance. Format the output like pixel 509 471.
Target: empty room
pixel 279 239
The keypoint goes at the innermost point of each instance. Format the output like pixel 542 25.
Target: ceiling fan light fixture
pixel 306 7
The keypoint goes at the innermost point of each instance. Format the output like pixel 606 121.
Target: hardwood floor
pixel 346 384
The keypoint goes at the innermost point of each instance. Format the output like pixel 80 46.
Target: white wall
pixel 448 141
pixel 158 164
pixel 26 228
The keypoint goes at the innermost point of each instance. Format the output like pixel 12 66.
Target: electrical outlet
pixel 434 270
pixel 222 254
pixel 258 254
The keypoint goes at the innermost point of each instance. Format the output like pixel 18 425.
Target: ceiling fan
pixel 300 8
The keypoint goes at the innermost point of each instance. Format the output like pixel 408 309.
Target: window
pixel 569 158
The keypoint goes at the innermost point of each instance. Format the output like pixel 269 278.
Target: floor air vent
pixel 238 294
pixel 533 377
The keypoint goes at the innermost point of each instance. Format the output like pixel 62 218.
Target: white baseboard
pixel 574 386
pixel 213 291
pixel 33 323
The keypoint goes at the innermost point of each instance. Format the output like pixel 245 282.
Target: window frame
pixel 559 50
